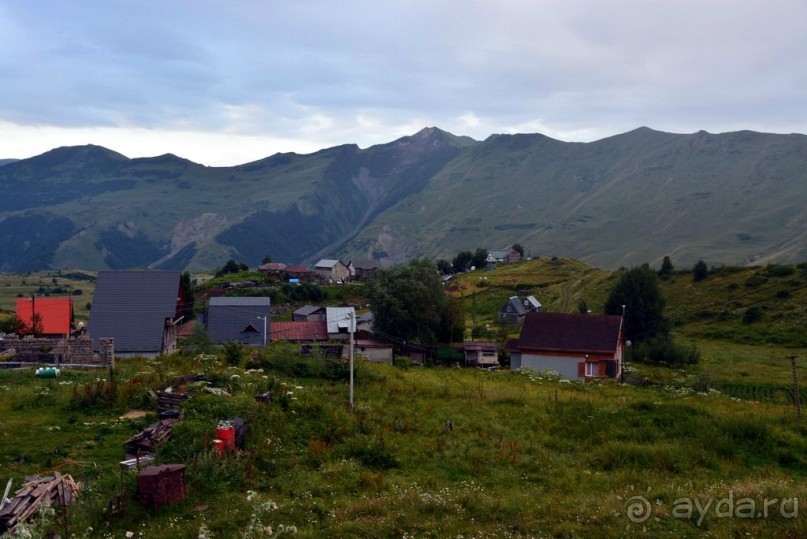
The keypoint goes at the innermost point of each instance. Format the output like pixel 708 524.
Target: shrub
pixel 752 315
pixel 776 270
pixel 699 271
pixel 755 280
pixel 233 352
pixel 663 350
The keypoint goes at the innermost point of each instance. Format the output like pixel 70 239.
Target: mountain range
pixel 731 198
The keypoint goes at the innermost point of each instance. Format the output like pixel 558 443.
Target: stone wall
pixel 58 350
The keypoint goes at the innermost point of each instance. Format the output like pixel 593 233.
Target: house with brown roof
pixel 577 346
pixel 46 317
pixel 273 269
pixel 297 272
pixel 308 331
pixel 364 269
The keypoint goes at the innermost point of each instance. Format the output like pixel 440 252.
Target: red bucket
pixel 219 446
pixel 228 436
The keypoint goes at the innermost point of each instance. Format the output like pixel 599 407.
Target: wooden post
pixel 796 392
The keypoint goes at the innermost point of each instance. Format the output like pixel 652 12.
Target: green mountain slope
pixel 731 198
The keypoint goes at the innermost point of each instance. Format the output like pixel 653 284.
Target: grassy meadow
pixel 451 452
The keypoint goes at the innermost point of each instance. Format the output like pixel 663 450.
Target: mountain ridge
pixel 726 198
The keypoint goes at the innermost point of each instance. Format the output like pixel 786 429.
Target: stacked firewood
pixel 170 401
pixel 146 441
pixel 37 493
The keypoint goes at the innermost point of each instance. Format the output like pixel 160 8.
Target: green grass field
pixel 527 456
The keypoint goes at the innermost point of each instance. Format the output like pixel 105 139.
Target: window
pixel 592 369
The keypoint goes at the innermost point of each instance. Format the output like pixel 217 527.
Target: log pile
pixel 35 493
pixel 146 441
pixel 170 401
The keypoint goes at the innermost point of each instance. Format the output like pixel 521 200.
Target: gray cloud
pixel 367 69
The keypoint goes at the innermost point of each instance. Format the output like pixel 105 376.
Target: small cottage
pixel 578 346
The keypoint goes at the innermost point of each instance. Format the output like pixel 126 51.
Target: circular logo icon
pixel 638 509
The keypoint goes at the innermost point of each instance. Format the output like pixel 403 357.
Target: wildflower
pixel 129 534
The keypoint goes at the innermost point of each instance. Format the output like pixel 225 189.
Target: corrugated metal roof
pixel 238 319
pixel 533 302
pixel 307 310
pixel 300 331
pixel 131 306
pixel 56 314
pixel 338 319
pixel 326 263
pixel 517 306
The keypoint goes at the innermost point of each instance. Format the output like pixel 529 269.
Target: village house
pixel 300 332
pixel 332 271
pixel 339 320
pixel 578 346
pixel 515 309
pixel 276 270
pixel 140 310
pixel 46 317
pixel 242 319
pixel 373 350
pixel 301 273
pixel 364 269
pixel 309 313
pixel 481 354
pixel 512 256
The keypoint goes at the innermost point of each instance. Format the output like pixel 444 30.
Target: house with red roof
pixel 53 317
pixel 577 346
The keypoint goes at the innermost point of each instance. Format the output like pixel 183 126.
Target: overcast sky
pixel 229 82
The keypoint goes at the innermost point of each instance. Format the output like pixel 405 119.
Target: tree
pixel 699 271
pixel 666 267
pixel 409 304
pixel 186 285
pixel 231 266
pixel 267 259
pixel 444 266
pixel 517 247
pixel 462 261
pixel 480 258
pixel 639 293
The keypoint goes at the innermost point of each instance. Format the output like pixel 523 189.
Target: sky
pixel 225 83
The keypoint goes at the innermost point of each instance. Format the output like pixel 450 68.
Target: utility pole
pixel 264 318
pixel 352 320
pixel 796 392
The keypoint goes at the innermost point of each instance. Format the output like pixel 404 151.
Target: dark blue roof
pixel 238 319
pixel 131 307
